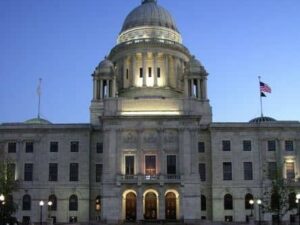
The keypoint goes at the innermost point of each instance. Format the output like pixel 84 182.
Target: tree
pixel 8 185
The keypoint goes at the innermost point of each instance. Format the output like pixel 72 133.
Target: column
pixel 199 89
pixel 205 88
pixel 94 89
pixel 139 205
pixel 176 72
pixel 192 87
pixel 186 87
pixel 144 69
pixel 101 89
pixel 161 199
pixel 124 73
pixel 133 68
pixel 114 87
pixel 167 76
pixel 155 69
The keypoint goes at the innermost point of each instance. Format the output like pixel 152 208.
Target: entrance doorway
pixel 170 206
pixel 150 206
pixel 131 206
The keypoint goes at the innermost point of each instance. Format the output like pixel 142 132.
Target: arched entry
pixel 170 206
pixel 131 206
pixel 150 206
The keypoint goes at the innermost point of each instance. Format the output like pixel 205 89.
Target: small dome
pixel 105 67
pixel 37 121
pixel 149 14
pixel 262 119
pixel 196 66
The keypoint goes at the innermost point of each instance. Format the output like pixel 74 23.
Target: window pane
pixel 74 172
pixel 12 147
pixel 129 165
pixel 289 146
pixel 28 172
pixel 226 145
pixel 248 173
pixel 272 170
pixel 171 164
pixel 201 147
pixel 74 146
pixel 150 165
pixel 202 171
pixel 227 171
pixel 99 147
pixel 53 146
pixel 247 145
pixel 53 169
pixel 290 172
pixel 158 72
pixel 150 72
pixel 271 145
pixel 99 168
pixel 203 203
pixel 73 203
pixel 29 147
pixel 228 203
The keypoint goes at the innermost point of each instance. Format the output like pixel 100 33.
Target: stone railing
pixel 146 179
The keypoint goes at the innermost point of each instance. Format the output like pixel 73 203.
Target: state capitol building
pixel 151 150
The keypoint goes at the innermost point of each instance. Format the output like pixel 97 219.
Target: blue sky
pixel 62 41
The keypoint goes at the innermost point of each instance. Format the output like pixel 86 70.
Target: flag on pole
pixel 262 94
pixel 264 88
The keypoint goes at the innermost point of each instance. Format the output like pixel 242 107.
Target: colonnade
pixel 104 88
pixel 196 87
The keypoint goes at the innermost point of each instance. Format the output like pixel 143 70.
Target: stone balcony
pixel 149 179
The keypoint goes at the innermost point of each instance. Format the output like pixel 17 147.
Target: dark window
pixel 290 170
pixel 226 146
pixel 28 172
pixel 129 165
pixel 150 72
pixel 228 203
pixel 26 204
pixel 53 200
pixel 11 171
pixel 29 147
pixel 248 197
pixel 201 147
pixel 171 164
pixel 73 203
pixel 202 171
pixel 292 201
pixel 127 73
pixel 289 146
pixel 227 171
pixel 272 170
pixel 12 147
pixel 203 203
pixel 158 72
pixel 73 171
pixel 74 146
pixel 248 171
pixel 53 171
pixel 150 165
pixel 99 168
pixel 247 145
pixel 99 147
pixel 272 145
pixel 141 72
pixel 53 146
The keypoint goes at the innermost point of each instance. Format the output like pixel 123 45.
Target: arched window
pixel 248 197
pixel 292 201
pixel 53 207
pixel 228 203
pixel 98 203
pixel 203 203
pixel 26 203
pixel 73 203
pixel 275 201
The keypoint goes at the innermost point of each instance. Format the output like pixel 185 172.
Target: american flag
pixel 264 87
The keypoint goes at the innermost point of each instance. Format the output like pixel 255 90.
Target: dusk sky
pixel 62 41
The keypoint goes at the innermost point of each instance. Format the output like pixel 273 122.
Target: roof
pixel 37 120
pixel 262 119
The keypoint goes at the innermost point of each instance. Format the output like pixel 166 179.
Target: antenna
pixel 39 93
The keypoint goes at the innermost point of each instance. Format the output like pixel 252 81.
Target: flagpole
pixel 261 105
pixel 39 97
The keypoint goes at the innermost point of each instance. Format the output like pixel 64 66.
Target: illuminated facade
pixel 151 150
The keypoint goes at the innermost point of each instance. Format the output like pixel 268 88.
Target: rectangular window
pixel 271 145
pixel 74 146
pixel 99 169
pixel 248 171
pixel 150 165
pixel 28 172
pixel 12 147
pixel 158 72
pixel 247 146
pixel 171 164
pixel 289 146
pixel 272 170
pixel 11 171
pixel 227 171
pixel 73 171
pixel 141 72
pixel 290 170
pixel 53 146
pixel 99 147
pixel 202 171
pixel 53 171
pixel 129 165
pixel 226 145
pixel 29 147
pixel 201 147
pixel 150 72
pixel 127 74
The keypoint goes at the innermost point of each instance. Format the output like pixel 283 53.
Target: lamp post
pixel 41 212
pixel 251 202
pixel 298 204
pixel 259 211
pixel 2 202
pixel 49 208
